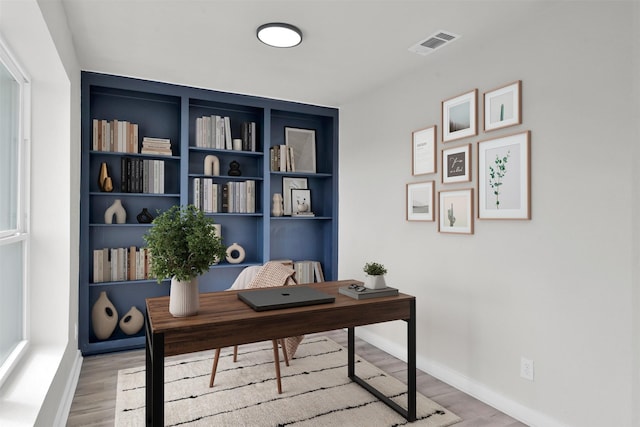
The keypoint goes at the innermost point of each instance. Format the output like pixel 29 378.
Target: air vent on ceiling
pixel 433 42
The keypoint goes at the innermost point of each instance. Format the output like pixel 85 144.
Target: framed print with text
pixel 420 201
pixel 503 106
pixel 455 211
pixel 504 177
pixel 456 164
pixel 303 146
pixel 288 184
pixel 459 116
pixel 423 151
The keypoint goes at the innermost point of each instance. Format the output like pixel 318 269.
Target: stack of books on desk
pixel 363 293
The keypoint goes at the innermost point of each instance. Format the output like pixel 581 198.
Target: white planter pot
pixel 374 282
pixel 184 299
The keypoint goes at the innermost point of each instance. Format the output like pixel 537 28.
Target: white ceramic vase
pixel 374 282
pixel 278 208
pixel 132 321
pixel 232 250
pixel 115 209
pixel 104 317
pixel 211 165
pixel 184 299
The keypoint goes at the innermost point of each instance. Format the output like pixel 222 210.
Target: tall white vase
pixel 184 299
pixel 115 209
pixel 104 317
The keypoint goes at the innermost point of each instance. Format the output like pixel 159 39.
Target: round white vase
pixel 104 317
pixel 132 321
pixel 235 254
pixel 115 209
pixel 184 299
pixel 374 282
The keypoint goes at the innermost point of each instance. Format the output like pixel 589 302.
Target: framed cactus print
pixel 455 209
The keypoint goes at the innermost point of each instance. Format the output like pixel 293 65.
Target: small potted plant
pixel 182 245
pixel 374 275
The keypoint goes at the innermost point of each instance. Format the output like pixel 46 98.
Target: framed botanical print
pixel 503 106
pixel 456 164
pixel 420 201
pixel 455 211
pixel 423 151
pixel 459 116
pixel 504 177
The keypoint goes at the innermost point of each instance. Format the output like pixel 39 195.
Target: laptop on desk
pixel 283 297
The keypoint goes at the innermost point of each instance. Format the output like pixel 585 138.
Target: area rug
pixel 316 391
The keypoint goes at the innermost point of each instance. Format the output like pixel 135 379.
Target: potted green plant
pixel 374 275
pixel 182 245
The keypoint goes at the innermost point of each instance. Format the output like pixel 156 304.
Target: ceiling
pixel 349 47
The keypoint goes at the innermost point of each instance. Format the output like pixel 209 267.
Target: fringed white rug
pixel 316 391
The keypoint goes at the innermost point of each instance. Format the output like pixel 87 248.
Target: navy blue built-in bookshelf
pixel 169 111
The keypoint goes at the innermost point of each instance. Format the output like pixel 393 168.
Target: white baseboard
pixel 465 384
pixel 69 391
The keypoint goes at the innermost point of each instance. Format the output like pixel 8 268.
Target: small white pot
pixel 374 282
pixel 184 299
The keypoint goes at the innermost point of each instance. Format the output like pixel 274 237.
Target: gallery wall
pixel 557 289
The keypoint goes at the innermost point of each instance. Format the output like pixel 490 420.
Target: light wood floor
pixel 95 397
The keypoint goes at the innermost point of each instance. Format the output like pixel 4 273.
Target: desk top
pixel 224 320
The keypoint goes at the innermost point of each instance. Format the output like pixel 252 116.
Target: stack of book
pixel 358 291
pixel 281 159
pixel 308 272
pixel 120 264
pixel 156 146
pixel 215 132
pixel 115 136
pixel 232 197
pixel 141 175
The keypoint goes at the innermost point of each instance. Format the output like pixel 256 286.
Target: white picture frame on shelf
pixel 303 146
pixel 301 202
pixel 288 184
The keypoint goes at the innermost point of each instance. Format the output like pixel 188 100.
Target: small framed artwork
pixel 423 151
pixel 459 116
pixel 301 201
pixel 420 201
pixel 288 184
pixel 504 177
pixel 456 211
pixel 456 164
pixel 503 106
pixel 303 148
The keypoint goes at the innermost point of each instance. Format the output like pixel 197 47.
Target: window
pixel 14 237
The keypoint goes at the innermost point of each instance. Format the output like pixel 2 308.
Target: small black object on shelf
pixel 145 217
pixel 234 169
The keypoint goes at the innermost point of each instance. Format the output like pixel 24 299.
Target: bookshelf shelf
pixel 175 113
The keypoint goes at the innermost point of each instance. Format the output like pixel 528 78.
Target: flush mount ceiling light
pixel 278 34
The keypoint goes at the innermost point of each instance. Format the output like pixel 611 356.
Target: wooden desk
pixel 224 321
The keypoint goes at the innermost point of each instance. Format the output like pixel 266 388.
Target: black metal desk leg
pixel 351 353
pixel 148 346
pixel 411 363
pixel 154 377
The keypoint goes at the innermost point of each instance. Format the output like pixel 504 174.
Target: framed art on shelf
pixel 423 151
pixel 459 116
pixel 303 145
pixel 289 184
pixel 504 177
pixel 420 201
pixel 301 202
pixel 456 164
pixel 456 211
pixel 503 106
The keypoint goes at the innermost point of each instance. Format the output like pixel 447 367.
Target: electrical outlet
pixel 526 368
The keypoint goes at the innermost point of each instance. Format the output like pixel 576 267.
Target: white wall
pixel 558 289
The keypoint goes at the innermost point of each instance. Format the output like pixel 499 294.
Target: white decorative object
pixel 132 321
pixel 277 209
pixel 185 298
pixel 104 317
pixel 237 144
pixel 374 282
pixel 211 165
pixel 235 254
pixel 115 209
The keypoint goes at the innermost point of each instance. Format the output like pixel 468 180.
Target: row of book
pixel 215 132
pixel 116 135
pixel 308 271
pixel 120 264
pixel 230 197
pixel 141 175
pixel 156 146
pixel 281 159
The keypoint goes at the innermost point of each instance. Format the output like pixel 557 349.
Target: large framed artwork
pixel 459 116
pixel 504 177
pixel 420 201
pixel 303 146
pixel 456 164
pixel 455 211
pixel 503 106
pixel 423 151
